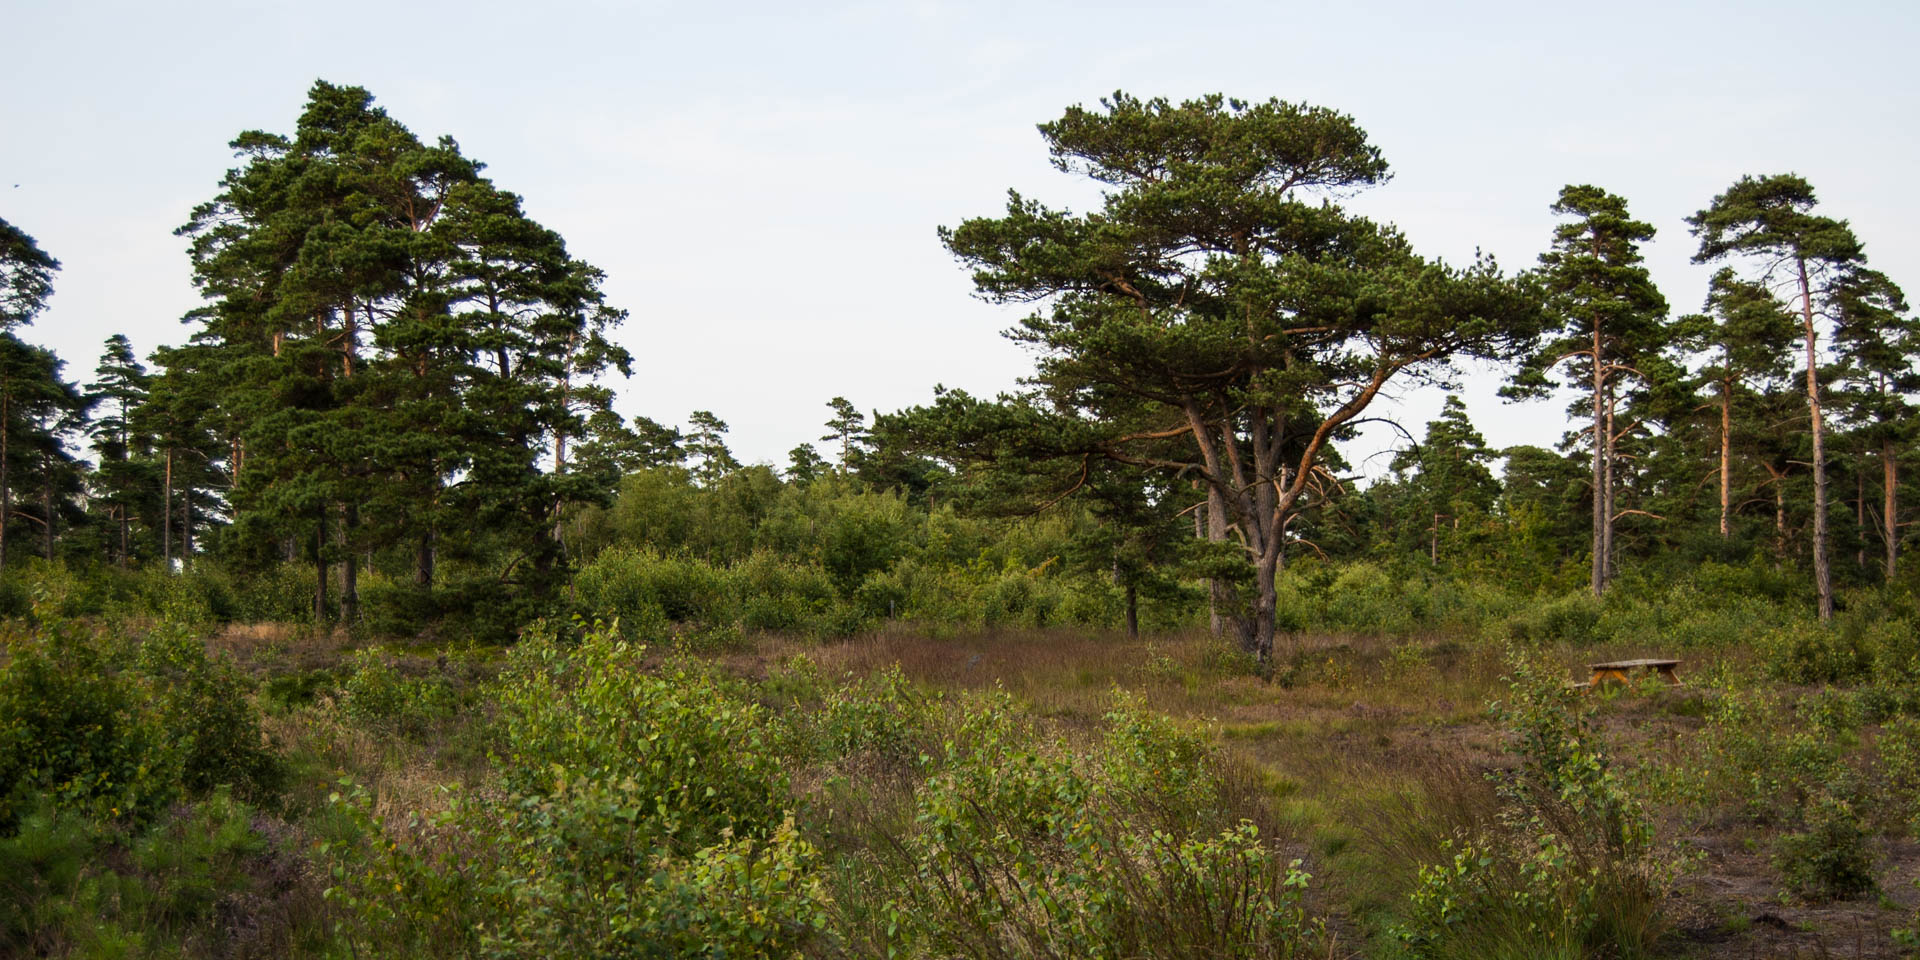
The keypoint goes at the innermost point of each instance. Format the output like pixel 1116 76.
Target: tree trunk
pixel 1726 455
pixel 1219 592
pixel 1822 576
pixel 1606 543
pixel 349 566
pixel 46 501
pixel 423 560
pixel 186 527
pixel 166 514
pixel 320 569
pixel 1890 509
pixel 1133 612
pixel 1599 574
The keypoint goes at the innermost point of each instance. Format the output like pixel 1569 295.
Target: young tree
pixel 1745 329
pixel 122 480
pixel 805 465
pixel 1768 222
pixel 1877 341
pixel 706 444
pixel 1608 320
pixel 1448 471
pixel 1219 292
pixel 37 409
pixel 26 277
pixel 848 428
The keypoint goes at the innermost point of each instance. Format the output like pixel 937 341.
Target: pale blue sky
pixel 761 182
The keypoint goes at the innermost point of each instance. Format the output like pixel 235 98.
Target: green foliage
pixel 879 714
pixel 78 887
pixel 201 701
pixel 643 817
pixel 697 757
pixel 1016 851
pixel 379 696
pixel 1817 653
pixel 79 732
pixel 1830 858
pixel 1566 868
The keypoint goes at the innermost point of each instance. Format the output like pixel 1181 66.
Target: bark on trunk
pixel 1890 509
pixel 320 569
pixel 1133 612
pixel 1606 542
pixel 423 560
pixel 1599 573
pixel 1219 592
pixel 1822 576
pixel 166 514
pixel 46 501
pixel 349 567
pixel 1726 456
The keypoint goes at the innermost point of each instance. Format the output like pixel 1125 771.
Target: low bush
pixel 1831 858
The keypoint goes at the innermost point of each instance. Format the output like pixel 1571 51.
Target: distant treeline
pixel 391 413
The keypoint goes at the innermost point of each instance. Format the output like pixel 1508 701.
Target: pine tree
pixel 123 479
pixel 39 480
pixel 1245 315
pixel 1610 320
pixel 1744 333
pixel 1877 341
pixel 26 277
pixel 847 428
pixel 1449 477
pixel 1768 223
pixel 706 445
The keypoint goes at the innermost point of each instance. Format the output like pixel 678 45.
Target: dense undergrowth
pixel 718 780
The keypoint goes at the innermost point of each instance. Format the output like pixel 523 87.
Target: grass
pixel 1367 758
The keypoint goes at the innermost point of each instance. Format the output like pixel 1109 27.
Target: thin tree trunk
pixel 1890 509
pixel 166 514
pixel 1133 612
pixel 1822 576
pixel 1726 456
pixel 1606 542
pixel 423 560
pixel 349 567
pixel 320 569
pixel 1599 574
pixel 1860 513
pixel 1219 593
pixel 186 527
pixel 46 502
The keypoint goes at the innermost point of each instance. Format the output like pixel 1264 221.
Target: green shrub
pixel 78 732
pixel 595 712
pixel 1566 868
pixel 1573 618
pixel 1812 653
pixel 643 817
pixel 1080 880
pixel 377 695
pixel 202 703
pixel 879 713
pixel 1832 858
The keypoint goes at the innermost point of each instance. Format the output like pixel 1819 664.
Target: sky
pixel 762 183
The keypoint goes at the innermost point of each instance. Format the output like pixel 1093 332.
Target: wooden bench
pixel 1621 671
